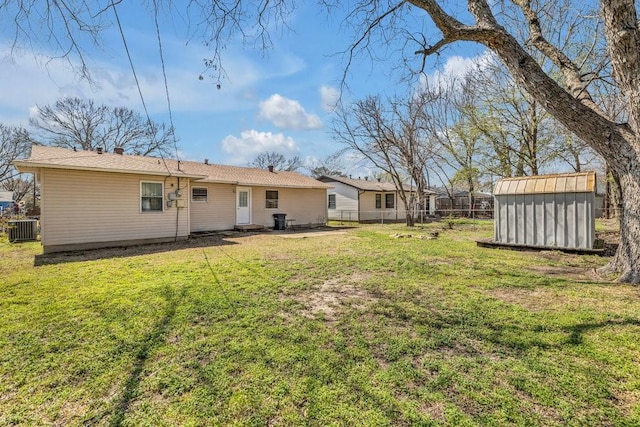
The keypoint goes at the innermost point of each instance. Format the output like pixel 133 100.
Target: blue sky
pixel 274 101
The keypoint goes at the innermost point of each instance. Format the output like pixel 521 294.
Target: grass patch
pixel 357 328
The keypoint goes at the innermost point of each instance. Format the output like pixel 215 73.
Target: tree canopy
pixel 277 161
pixel 82 124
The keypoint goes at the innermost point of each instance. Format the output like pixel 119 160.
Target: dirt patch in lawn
pixel 572 267
pixel 575 273
pixel 219 239
pixel 334 296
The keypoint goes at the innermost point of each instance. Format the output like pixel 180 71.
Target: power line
pixel 164 75
pixel 135 76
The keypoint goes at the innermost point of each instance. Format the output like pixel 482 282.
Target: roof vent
pixel 119 150
pixel 206 161
pixel 270 168
pixel 99 150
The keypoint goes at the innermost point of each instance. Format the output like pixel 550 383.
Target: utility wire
pixel 135 76
pixel 164 75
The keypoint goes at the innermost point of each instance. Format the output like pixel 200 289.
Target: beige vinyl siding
pixel 346 202
pixel 306 206
pixel 218 212
pixel 87 207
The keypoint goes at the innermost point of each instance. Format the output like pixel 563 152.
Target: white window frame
pixel 206 196
pixel 266 200
pixel 162 196
pixel 331 196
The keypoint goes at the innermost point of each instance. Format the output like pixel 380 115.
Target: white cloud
pixel 286 113
pixel 251 143
pixel 456 67
pixel 329 96
pixel 30 79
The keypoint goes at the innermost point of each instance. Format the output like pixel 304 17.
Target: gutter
pixel 32 165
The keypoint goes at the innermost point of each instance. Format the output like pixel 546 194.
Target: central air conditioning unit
pixel 22 230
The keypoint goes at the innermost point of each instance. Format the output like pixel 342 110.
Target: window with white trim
pixel 199 194
pixel 151 196
pixel 378 201
pixel 332 201
pixel 271 199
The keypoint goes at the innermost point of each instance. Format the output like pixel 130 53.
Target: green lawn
pixel 358 327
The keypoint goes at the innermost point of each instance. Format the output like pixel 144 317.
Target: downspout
pixel 359 193
pixel 175 238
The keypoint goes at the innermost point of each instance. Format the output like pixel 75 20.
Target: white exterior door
pixel 243 205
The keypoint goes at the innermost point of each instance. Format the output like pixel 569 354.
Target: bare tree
pixel 277 160
pixel 332 165
pixel 15 143
pixel 391 136
pixel 79 123
pixel 20 187
pixel 63 27
pixel 447 118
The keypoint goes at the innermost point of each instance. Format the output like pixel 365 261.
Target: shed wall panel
pixel 563 220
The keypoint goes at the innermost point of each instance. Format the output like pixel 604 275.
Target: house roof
pixel 62 158
pixel 366 185
pixel 6 196
pixel 583 182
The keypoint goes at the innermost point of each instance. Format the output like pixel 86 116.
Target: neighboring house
pixel 92 199
pixel 457 203
pixel 366 200
pixel 6 202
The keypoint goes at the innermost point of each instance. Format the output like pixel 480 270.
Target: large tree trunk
pixel 617 142
pixel 626 261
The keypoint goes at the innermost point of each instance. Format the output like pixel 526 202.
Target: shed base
pixel 519 247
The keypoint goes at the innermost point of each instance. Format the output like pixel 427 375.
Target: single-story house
pixel 368 200
pixel 6 202
pixel 93 199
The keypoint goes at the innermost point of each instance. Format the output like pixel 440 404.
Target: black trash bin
pixel 279 221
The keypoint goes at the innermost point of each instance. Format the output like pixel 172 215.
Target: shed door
pixel 243 206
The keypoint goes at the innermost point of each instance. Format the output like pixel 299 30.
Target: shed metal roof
pixel 583 182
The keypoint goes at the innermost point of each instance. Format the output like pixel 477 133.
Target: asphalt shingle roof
pixel 62 158
pixel 366 185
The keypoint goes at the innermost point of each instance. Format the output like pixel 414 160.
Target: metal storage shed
pixel 553 211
